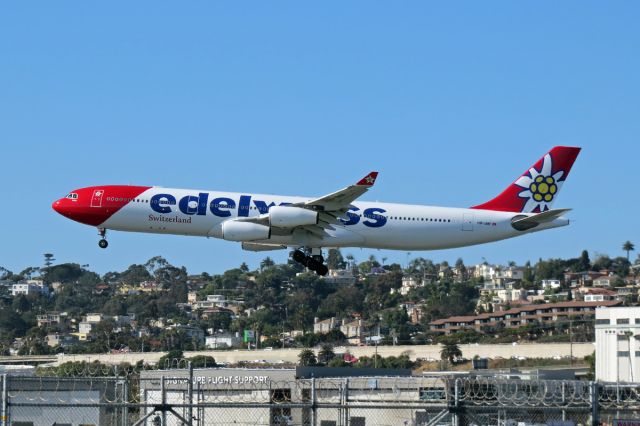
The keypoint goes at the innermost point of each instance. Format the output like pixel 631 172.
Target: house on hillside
pixel 27 289
pixel 409 282
pixel 48 319
pixel 599 295
pixel 325 326
pixel 62 340
pixel 606 281
pixel 551 284
pixel 223 340
pixel 353 330
pixel 340 277
pixel 517 317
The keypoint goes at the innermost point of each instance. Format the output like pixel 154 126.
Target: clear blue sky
pixel 450 101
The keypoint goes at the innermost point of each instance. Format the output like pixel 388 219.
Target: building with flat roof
pixel 518 317
pixel 618 344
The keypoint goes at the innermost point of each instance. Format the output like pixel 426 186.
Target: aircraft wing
pixel 329 207
pixel 341 200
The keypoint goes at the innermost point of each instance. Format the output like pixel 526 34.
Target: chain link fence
pixel 260 397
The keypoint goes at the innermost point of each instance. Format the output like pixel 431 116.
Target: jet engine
pixel 244 231
pixel 290 217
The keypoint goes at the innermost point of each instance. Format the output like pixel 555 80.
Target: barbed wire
pixel 99 383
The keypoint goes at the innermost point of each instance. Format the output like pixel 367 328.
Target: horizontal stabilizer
pixel 523 223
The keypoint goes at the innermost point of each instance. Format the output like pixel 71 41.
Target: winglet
pixel 368 180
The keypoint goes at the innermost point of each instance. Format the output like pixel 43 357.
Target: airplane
pixel 307 225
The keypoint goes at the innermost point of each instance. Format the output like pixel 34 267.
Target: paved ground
pixel 531 350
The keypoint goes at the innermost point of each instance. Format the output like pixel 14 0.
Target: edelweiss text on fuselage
pixel 222 206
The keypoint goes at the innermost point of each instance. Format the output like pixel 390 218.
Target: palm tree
pixel 306 358
pixel 628 246
pixel 450 352
pixel 326 353
pixel 267 262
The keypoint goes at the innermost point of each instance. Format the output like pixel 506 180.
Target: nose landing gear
pixel 313 262
pixel 103 243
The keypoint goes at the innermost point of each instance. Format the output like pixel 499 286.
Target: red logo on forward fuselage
pixel 96 199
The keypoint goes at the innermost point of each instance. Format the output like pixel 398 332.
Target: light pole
pixel 570 341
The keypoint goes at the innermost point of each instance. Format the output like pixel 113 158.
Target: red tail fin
pixel 537 188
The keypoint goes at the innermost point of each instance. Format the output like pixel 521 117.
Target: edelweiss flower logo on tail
pixel 540 186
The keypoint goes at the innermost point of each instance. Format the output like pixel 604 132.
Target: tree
pixel 48 259
pixel 326 353
pixel 155 263
pixel 202 361
pixel 335 259
pixel 307 358
pixel 585 262
pixel 591 362
pixel 171 360
pixel 267 262
pixel 628 246
pixel 450 352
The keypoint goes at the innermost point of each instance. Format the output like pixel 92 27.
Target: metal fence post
pixel 455 402
pixel 314 416
pixel 163 392
pixel 190 395
pixel 564 402
pixel 594 403
pixel 345 396
pixel 125 398
pixel 5 395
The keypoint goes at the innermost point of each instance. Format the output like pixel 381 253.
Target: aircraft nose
pixel 59 207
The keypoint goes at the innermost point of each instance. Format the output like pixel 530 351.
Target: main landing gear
pixel 315 262
pixel 103 243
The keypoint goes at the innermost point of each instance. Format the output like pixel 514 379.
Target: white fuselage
pixel 368 224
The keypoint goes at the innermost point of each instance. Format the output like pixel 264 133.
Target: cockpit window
pixel 72 196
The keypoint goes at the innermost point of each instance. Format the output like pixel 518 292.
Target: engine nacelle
pixel 244 231
pixel 290 217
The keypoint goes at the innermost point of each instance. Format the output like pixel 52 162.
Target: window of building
pixel 601 321
pixel 637 320
pixel 623 353
pixel 622 337
pixel 622 321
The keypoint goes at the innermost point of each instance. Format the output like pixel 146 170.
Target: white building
pixel 85 327
pixel 507 296
pixel 28 288
pixel 223 341
pixel 410 282
pixel 340 277
pixel 324 326
pixel 551 284
pixel 215 301
pixel 95 318
pixel 618 344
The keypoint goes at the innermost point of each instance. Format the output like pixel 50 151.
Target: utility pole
pixel 375 358
pixel 570 341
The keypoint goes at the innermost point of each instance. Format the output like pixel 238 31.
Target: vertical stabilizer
pixel 537 188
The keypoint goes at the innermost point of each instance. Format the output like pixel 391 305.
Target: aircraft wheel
pixel 322 270
pixel 312 264
pixel 299 256
pixel 103 243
